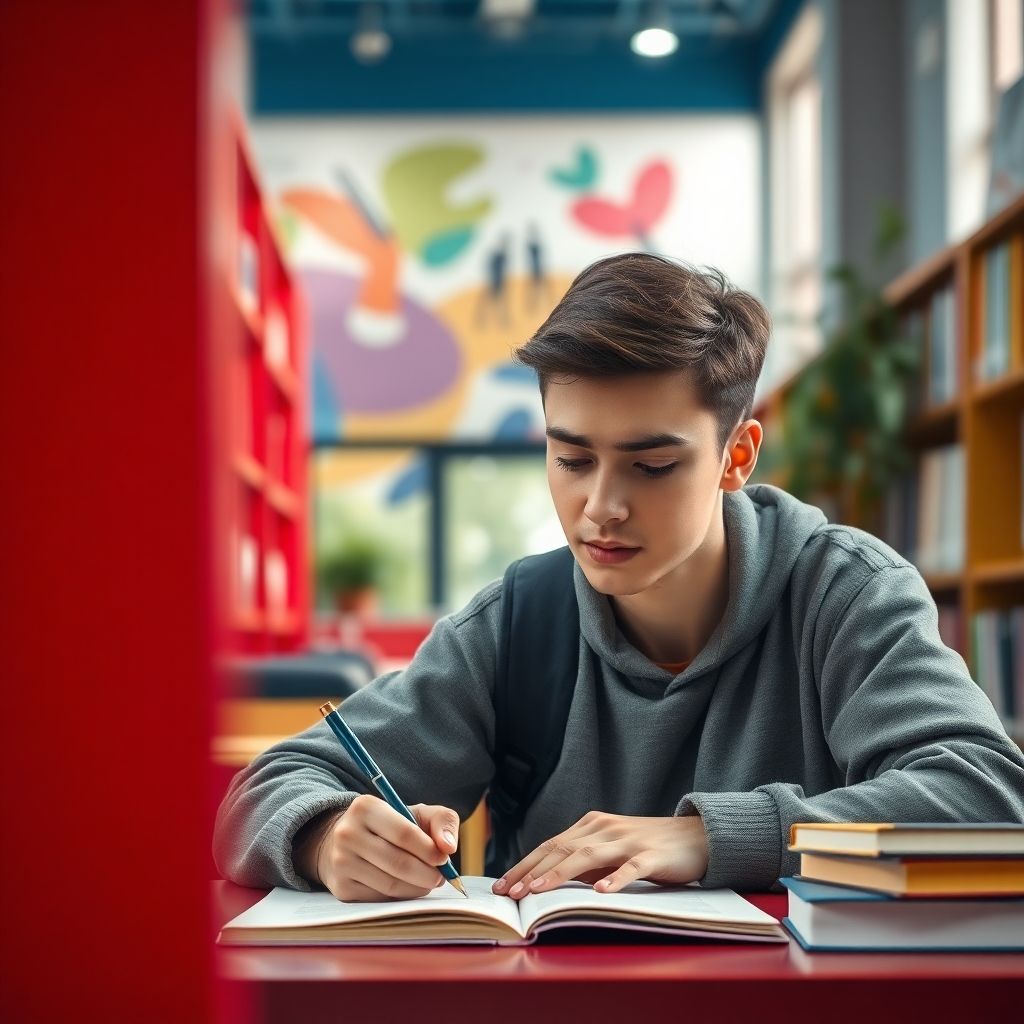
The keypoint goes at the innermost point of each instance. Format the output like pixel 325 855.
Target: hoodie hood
pixel 766 529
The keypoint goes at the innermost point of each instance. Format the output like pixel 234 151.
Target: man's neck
pixel 672 620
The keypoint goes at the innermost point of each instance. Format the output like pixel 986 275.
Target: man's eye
pixel 656 470
pixel 572 465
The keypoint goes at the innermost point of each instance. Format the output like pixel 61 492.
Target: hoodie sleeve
pixel 430 728
pixel 914 737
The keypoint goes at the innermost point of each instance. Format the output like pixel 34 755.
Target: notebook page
pixel 721 906
pixel 286 908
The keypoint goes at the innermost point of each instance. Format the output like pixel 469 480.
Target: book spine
pixel 1004 647
pixel 1017 631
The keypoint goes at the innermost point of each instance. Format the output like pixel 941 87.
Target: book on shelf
pixel 997 643
pixel 939 542
pixel 914 329
pixel 275 338
pixel 875 839
pixel 247 564
pixel 248 271
pixel 918 876
pixel 287 917
pixel 900 511
pixel 993 359
pixel 951 625
pixel 275 581
pixel 943 382
pixel 924 512
pixel 833 918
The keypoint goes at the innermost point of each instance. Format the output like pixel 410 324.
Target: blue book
pixel 842 920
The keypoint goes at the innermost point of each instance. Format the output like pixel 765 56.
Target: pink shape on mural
pixel 652 191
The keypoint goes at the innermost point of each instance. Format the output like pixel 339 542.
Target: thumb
pixel 440 823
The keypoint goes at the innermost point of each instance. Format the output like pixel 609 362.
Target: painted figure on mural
pixel 494 295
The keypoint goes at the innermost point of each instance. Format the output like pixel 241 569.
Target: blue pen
pixel 368 766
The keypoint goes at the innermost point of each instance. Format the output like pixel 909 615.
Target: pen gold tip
pixel 457 882
pixel 326 708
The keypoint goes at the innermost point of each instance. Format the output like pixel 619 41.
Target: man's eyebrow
pixel 641 444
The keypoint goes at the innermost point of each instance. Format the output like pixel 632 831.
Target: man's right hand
pixel 369 852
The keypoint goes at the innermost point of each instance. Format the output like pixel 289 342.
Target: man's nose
pixel 605 502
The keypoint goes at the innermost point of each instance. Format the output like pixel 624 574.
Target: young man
pixel 743 665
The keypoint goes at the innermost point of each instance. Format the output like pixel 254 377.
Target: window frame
pixel 436 454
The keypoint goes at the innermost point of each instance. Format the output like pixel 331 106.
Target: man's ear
pixel 741 454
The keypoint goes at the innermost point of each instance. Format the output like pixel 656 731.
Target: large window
pixel 985 55
pixel 446 519
pixel 1006 19
pixel 497 510
pixel 378 497
pixel 795 155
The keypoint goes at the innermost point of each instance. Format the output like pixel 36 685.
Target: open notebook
pixel 286 917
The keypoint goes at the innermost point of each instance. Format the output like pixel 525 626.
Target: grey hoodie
pixel 824 694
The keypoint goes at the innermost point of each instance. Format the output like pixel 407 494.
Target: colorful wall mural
pixel 430 248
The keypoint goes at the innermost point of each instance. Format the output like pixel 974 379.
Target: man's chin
pixel 612 582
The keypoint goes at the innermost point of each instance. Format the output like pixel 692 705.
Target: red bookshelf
pixel 268 591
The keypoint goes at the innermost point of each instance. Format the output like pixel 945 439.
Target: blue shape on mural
pixel 409 483
pixel 513 373
pixel 515 426
pixel 444 247
pixel 581 175
pixel 326 408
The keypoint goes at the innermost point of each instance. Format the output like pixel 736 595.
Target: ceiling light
pixel 654 42
pixel 506 19
pixel 370 42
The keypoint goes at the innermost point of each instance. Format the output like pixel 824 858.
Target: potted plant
pixel 845 414
pixel 351 572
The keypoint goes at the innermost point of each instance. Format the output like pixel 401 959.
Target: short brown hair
pixel 641 313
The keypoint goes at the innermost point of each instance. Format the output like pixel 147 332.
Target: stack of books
pixel 909 887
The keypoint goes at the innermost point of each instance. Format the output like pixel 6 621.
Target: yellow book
pixel 926 877
pixel 926 839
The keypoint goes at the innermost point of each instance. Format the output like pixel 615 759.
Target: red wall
pixel 105 624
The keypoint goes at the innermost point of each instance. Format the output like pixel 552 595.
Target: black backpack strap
pixel 535 674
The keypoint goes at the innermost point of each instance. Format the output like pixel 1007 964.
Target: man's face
pixel 634 466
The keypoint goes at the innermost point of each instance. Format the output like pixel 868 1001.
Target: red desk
pixel 582 984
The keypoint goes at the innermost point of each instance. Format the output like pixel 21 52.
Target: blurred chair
pixel 268 699
pixel 330 673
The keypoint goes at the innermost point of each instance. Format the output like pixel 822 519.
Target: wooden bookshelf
pixel 268 589
pixel 969 396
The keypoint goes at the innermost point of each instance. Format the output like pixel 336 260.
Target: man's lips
pixel 606 545
pixel 605 553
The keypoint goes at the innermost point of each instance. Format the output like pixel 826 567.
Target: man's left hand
pixel 612 850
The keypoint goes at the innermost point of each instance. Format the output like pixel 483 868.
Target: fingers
pixel 623 875
pixel 375 853
pixel 387 885
pixel 591 824
pixel 387 823
pixel 563 862
pixel 398 863
pixel 441 824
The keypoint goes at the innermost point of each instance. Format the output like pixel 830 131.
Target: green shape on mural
pixel 441 248
pixel 287 225
pixel 581 175
pixel 414 186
